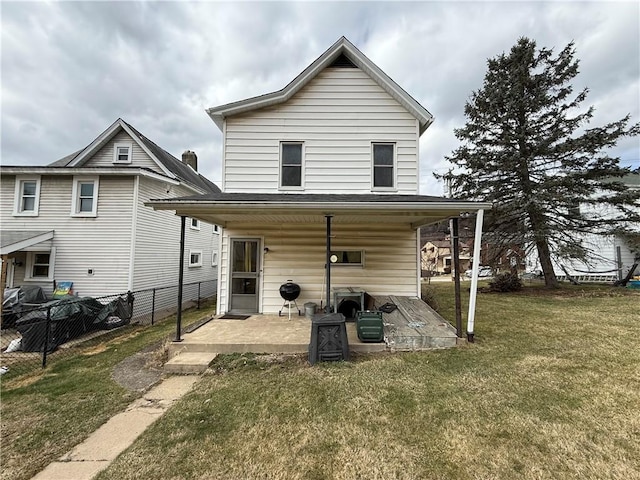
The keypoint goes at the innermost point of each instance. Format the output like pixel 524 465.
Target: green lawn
pixel 48 412
pixel 550 389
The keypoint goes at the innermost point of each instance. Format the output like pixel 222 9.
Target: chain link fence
pixel 34 334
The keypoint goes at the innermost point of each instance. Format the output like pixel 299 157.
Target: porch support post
pixel 180 280
pixel 328 262
pixel 477 246
pixel 453 223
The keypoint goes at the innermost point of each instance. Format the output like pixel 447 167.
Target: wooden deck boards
pixel 414 325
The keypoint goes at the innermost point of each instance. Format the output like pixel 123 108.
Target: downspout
pixel 180 280
pixel 477 245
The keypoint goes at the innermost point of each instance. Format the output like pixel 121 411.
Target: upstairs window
pixel 195 224
pixel 291 165
pixel 85 197
pixel 122 153
pixel 27 196
pixel 383 166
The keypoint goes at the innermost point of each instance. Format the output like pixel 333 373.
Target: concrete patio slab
pixel 412 326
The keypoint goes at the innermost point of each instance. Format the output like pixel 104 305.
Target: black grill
pixel 289 291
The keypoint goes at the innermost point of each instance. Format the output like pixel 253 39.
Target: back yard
pixel 549 390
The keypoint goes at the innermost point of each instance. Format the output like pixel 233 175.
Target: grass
pixel 549 390
pixel 46 413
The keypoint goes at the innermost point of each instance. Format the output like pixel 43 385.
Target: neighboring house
pixel 611 256
pixel 436 257
pixel 333 156
pixel 511 260
pixel 83 219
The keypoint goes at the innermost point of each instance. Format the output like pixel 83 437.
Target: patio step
pixel 189 362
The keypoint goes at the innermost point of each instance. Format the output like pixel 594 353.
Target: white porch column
pixel 477 246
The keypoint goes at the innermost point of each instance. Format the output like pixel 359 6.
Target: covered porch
pixel 412 326
pixel 269 239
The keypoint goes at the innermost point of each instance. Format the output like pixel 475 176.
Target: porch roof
pixel 221 208
pixel 14 240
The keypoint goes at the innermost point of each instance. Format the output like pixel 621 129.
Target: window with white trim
pixel 85 197
pixel 383 165
pixel 195 224
pixel 291 165
pixel 39 265
pixel 348 257
pixel 195 258
pixel 27 196
pixel 216 229
pixel 122 152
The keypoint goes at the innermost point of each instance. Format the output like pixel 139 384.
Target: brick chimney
pixel 191 159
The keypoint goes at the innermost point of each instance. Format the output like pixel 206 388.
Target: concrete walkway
pixel 97 452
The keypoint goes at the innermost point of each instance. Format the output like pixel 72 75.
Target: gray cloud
pixel 69 69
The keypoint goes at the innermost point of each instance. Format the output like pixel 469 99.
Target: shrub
pixel 428 295
pixel 506 282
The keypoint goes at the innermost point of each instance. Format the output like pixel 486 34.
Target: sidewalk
pixel 97 452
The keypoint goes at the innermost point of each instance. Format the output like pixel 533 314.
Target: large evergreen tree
pixel 527 147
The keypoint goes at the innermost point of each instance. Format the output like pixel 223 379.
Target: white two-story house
pixel 82 219
pixel 332 157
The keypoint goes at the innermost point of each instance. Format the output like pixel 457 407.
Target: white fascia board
pixel 99 142
pixel 14 247
pixel 160 165
pixel 107 135
pixel 68 171
pixel 343 45
pixel 170 204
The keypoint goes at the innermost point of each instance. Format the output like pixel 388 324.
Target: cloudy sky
pixel 69 69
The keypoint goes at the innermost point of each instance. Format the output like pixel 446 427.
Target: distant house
pixel 330 158
pixel 82 219
pixel 611 256
pixel 436 257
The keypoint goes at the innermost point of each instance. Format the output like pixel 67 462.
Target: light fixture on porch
pixel 266 249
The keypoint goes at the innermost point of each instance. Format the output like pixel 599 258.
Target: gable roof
pixel 170 165
pixel 342 48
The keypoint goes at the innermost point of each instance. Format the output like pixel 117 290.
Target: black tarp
pixel 70 317
pixel 15 299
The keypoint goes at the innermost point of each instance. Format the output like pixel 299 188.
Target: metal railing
pixel 34 333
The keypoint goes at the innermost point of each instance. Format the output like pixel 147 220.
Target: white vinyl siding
pixel 105 156
pixel 158 242
pixel 99 243
pixel 338 115
pixel 297 252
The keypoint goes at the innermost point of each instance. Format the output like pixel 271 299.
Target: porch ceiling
pixel 412 210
